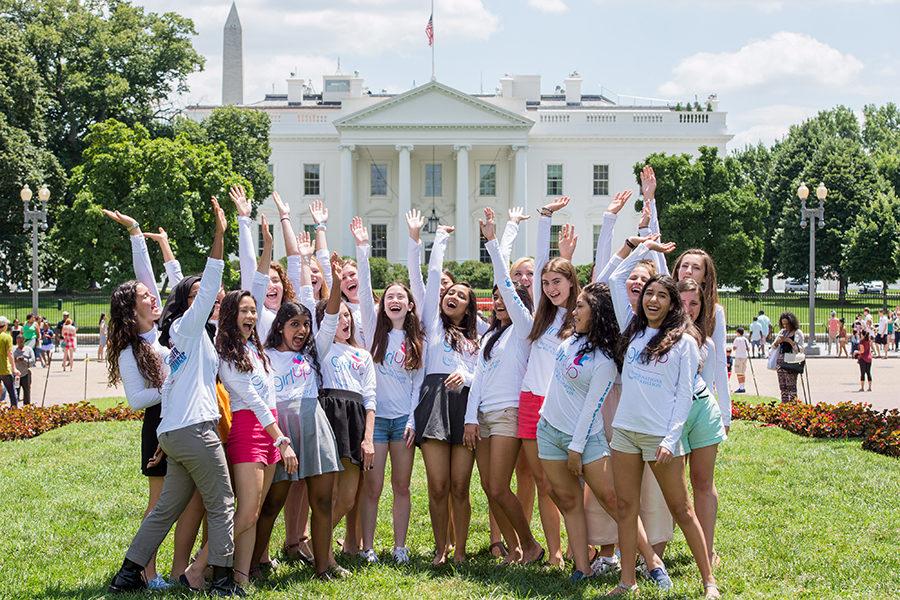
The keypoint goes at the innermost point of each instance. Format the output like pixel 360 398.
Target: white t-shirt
pixel 657 396
pixel 138 391
pixel 580 383
pixel 882 325
pixel 253 390
pixel 756 330
pixel 189 392
pixel 740 347
pixel 351 369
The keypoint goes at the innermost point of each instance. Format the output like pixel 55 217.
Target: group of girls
pixel 293 392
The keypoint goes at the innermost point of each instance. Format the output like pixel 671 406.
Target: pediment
pixel 433 106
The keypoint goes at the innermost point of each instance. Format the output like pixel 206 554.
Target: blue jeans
pixel 389 430
pixel 9 382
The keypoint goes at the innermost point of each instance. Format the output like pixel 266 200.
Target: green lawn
pixel 799 518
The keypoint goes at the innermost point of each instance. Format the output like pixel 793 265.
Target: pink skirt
pixel 248 442
pixel 529 407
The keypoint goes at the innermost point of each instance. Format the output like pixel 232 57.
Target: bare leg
pixel 524 485
pixel 319 491
pixel 461 463
pixel 401 474
pixel 628 469
pixel 706 497
pixel 504 455
pixel 296 520
pixel 271 507
pixel 548 510
pixel 568 496
pixel 373 482
pixel 251 483
pixel 498 520
pixel 437 471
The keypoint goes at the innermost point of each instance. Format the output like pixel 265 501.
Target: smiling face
pixel 636 282
pixel 214 315
pixel 446 282
pixel 691 267
pixel 295 334
pixel 350 282
pixel 523 273
pixel 581 314
pixel 396 304
pixel 315 277
pixel 275 291
pixel 500 308
pixel 656 304
pixel 146 309
pixel 690 300
pixel 556 287
pixel 455 301
pixel 345 323
pixel 246 317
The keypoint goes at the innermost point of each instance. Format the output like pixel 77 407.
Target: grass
pixel 799 517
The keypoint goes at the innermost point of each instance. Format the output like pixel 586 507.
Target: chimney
pixel 233 60
pixel 573 89
pixel 295 89
pixel 506 86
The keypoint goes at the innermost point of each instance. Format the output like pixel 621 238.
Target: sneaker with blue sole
pixel 158 584
pixel 661 578
pixel 577 576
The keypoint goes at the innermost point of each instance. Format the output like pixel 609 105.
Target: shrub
pixel 30 421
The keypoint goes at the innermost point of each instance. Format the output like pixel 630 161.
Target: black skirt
pixel 149 441
pixel 347 416
pixel 440 414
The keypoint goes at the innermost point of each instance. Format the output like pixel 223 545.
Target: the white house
pixel 438 149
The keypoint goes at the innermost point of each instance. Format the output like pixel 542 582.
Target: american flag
pixel 429 30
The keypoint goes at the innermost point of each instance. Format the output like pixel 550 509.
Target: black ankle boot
pixel 129 578
pixel 223 583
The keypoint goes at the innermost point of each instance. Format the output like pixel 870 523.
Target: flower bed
pixel 30 421
pixel 880 430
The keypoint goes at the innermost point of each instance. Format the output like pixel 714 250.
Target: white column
pixel 463 251
pixel 347 206
pixel 520 195
pixel 404 187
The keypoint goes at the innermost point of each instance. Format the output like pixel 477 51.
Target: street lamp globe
pixel 44 193
pixel 821 191
pixel 803 192
pixel 25 194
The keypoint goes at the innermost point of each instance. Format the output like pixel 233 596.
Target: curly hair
pixel 546 310
pixel 288 311
pixel 791 319
pixel 604 332
pixel 288 293
pixel 123 333
pixel 497 327
pixel 412 329
pixel 458 336
pixel 675 324
pixel 230 343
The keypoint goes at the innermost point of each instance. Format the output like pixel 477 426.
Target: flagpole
pixel 432 43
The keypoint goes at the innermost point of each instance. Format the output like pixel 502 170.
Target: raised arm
pixel 246 253
pixel 170 264
pixel 287 230
pixel 193 323
pixel 415 221
pixel 140 256
pixel 328 327
pixel 431 306
pixel 567 242
pixel 542 252
pixel 648 189
pixel 604 241
pixel 632 252
pixel 723 394
pixel 367 308
pixel 511 231
pixel 319 213
pixel 521 317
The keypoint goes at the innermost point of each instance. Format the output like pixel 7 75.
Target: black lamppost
pixel 812 213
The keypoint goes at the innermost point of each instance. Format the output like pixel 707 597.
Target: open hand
pixel 558 204
pixel 648 182
pixel 304 246
pixel 160 238
pixel 219 214
pixel 123 220
pixel 337 265
pixel 567 241
pixel 266 232
pixel 359 232
pixel 318 211
pixel 415 221
pixel 239 196
pixel 517 215
pixel 283 209
pixel 448 229
pixel 656 246
pixel 618 202
pixel 488 227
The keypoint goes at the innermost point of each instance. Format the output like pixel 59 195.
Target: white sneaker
pixel 401 555
pixel 369 556
pixel 605 564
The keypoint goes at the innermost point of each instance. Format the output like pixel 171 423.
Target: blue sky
pixel 771 62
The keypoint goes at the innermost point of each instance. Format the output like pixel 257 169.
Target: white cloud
pixel 549 6
pixel 784 56
pixel 766 124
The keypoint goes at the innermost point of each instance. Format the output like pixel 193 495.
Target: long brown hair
pixel 675 324
pixel 324 291
pixel 546 310
pixel 709 287
pixel 701 322
pixel 289 293
pixel 466 333
pixel 229 342
pixel 123 333
pixel 412 328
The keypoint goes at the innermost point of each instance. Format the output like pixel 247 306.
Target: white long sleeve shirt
pixel 246 252
pixel 440 357
pixel 253 390
pixel 603 251
pixel 657 396
pixel 139 392
pixel 720 361
pixel 497 381
pixel 397 387
pixel 189 392
pixel 264 316
pixel 581 382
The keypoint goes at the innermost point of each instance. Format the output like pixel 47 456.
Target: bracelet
pixel 134 226
pixel 323 226
pixel 545 212
pixel 630 244
pixel 281 441
pixel 288 219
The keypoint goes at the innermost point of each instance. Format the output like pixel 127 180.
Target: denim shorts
pixel 389 430
pixel 553 444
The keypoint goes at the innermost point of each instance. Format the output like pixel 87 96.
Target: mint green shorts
pixel 704 423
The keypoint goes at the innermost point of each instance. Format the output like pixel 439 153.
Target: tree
pixel 711 203
pixel 881 132
pixel 756 163
pixel 245 133
pixel 872 251
pixel 102 59
pixel 161 182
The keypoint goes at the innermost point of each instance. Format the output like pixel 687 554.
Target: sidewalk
pixel 831 380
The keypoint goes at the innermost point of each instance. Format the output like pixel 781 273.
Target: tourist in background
pixel 741 354
pixel 842 340
pixel 101 342
pixel 24 359
pixel 8 371
pixel 766 324
pixel 881 337
pixel 15 330
pixel 70 342
pixel 757 340
pixel 896 322
pixel 864 358
pixel 46 346
pixel 834 327
pixel 789 339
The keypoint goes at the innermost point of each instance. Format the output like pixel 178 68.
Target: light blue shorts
pixel 704 423
pixel 389 430
pixel 553 444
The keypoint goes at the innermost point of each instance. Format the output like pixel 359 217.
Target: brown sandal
pixel 501 547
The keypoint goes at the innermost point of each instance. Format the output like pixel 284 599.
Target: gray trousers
pixel 196 460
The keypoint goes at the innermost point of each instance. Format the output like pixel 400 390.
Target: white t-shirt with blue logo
pixel 253 390
pixel 351 369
